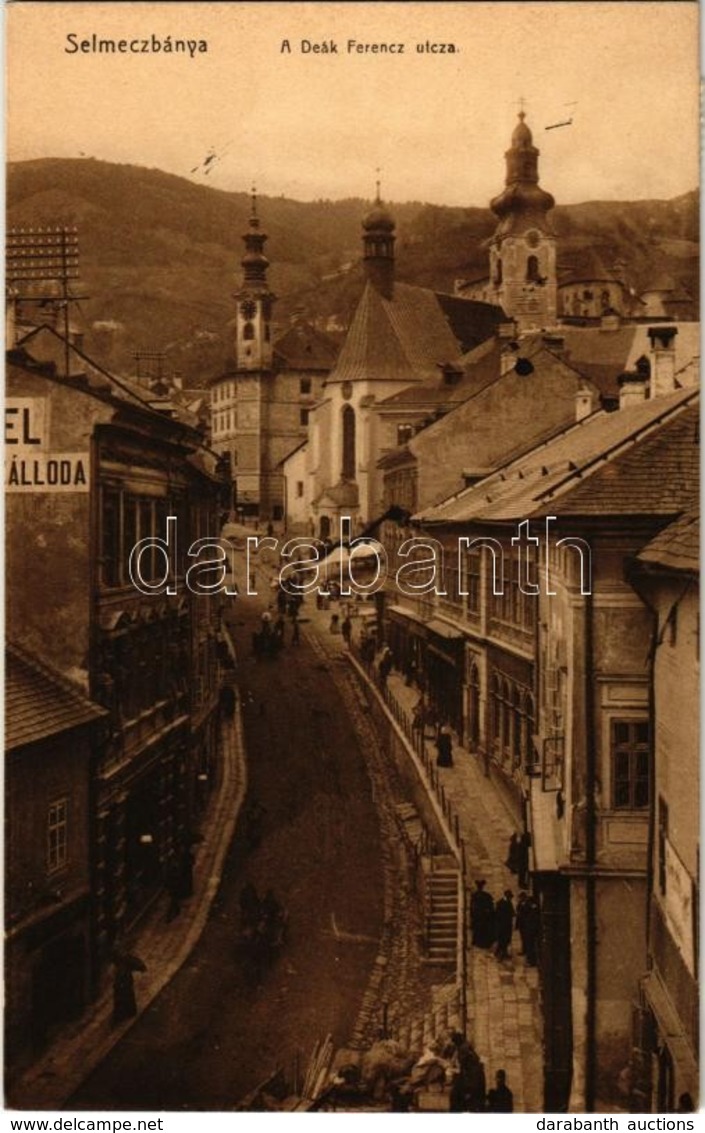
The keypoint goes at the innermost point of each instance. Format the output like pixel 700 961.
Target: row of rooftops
pixel 640 461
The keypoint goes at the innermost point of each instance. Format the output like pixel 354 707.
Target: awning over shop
pixel 545 831
pixel 442 629
pixel 413 622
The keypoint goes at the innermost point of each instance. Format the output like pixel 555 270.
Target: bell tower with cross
pixel 253 376
pixel 523 248
pixel 253 347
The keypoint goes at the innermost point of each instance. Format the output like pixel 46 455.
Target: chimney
pixel 632 388
pixel 585 402
pixel 508 357
pixel 663 359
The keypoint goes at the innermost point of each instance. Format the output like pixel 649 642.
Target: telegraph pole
pixel 37 257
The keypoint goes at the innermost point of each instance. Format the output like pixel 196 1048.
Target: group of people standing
pixel 271 637
pixel 492 923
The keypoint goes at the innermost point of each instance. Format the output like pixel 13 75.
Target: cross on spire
pixel 522 104
pixel 378 183
pixel 254 219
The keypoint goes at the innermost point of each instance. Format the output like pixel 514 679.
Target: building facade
pixel 260 404
pixel 53 736
pixel 666 575
pixel 95 470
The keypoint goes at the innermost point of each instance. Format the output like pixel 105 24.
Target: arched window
pixel 532 270
pixel 248 331
pixel 348 468
pixel 324 527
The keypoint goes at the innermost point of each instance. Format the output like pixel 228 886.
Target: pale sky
pixel 317 125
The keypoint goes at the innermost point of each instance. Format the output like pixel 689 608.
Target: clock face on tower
pixel 533 238
pixel 248 309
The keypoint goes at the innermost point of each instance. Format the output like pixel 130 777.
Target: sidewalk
pixel 503 997
pixel 504 1016
pixel 164 948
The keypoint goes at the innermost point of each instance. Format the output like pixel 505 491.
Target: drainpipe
pixel 590 880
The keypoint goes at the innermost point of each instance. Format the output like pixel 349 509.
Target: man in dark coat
pixel 528 927
pixel 523 859
pixel 468 1089
pixel 504 923
pixel 513 854
pixel 482 916
pixel 444 747
pixel 501 1099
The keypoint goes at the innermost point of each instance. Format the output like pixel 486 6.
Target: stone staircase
pixel 441 903
pixel 439 1021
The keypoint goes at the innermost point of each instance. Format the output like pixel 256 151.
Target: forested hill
pixel 160 255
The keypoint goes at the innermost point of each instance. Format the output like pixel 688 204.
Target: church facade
pixel 401 337
pixel 260 403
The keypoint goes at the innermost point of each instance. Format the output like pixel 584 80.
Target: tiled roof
pixel 303 347
pixel 44 344
pixel 40 702
pixel 471 320
pixel 640 460
pixel 400 339
pixel 480 372
pixel 602 354
pixel 677 547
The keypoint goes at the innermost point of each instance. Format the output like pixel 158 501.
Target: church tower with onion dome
pixel 253 347
pixel 523 248
pixel 378 247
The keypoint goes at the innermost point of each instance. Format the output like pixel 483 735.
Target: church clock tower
pixel 523 248
pixel 253 347
pixel 251 407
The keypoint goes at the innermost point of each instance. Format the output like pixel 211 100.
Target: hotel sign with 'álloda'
pixel 30 465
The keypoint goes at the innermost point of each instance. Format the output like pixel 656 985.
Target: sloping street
pixel 212 1035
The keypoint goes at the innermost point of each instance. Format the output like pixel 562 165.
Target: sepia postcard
pixel 352 562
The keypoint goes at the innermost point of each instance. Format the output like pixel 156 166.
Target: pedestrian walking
pixel 482 916
pixel 385 665
pixel 444 747
pixel 513 854
pixel 124 1000
pixel 346 628
pixel 501 1098
pixel 468 1087
pixel 504 922
pixel 295 632
pixel 530 929
pixel 523 860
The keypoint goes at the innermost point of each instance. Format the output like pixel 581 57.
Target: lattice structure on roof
pixel 38 255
